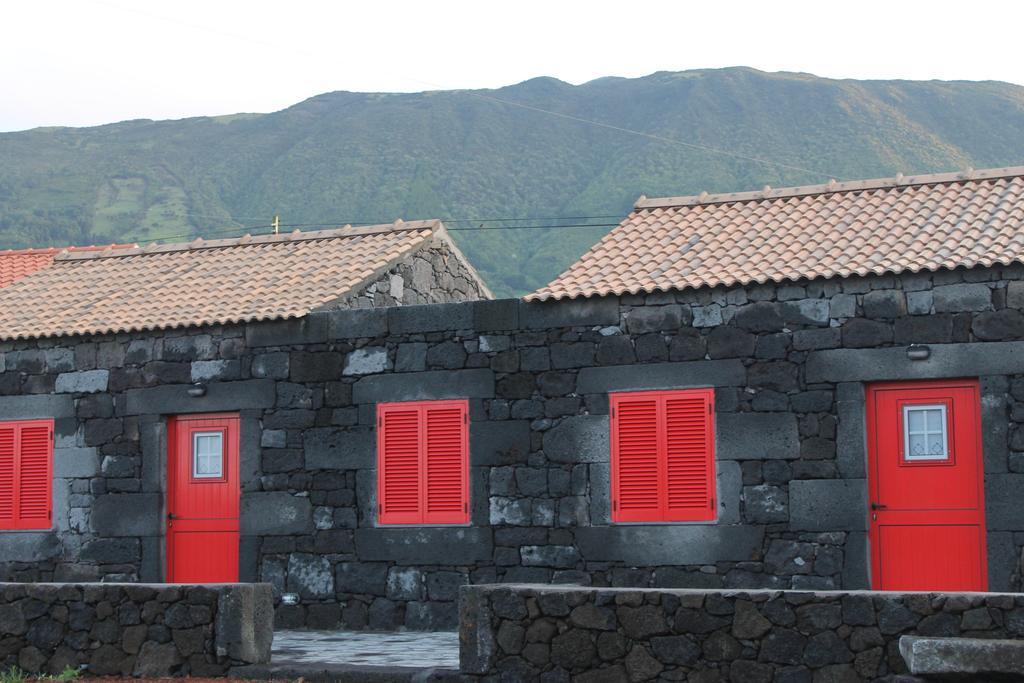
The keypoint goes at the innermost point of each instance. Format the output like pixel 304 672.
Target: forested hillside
pixel 352 157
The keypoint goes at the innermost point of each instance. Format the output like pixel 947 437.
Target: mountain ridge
pixel 348 157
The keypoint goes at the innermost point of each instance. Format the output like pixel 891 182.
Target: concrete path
pixel 408 648
pixel 359 656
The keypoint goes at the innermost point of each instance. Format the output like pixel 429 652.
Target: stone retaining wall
pixel 589 635
pixel 143 630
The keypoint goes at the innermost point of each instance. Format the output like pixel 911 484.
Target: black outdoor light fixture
pixel 196 390
pixel 289 598
pixel 918 352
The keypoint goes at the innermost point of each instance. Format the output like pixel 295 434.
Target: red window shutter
pixel 398 447
pixel 446 456
pixel 26 474
pixel 8 475
pixel 635 475
pixel 423 463
pixel 663 467
pixel 689 456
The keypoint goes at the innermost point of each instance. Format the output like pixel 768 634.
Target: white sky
pixel 86 62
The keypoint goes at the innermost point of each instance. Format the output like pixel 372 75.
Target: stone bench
pixel 956 657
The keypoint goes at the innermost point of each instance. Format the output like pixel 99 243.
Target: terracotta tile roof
pixel 927 222
pixel 17 263
pixel 204 282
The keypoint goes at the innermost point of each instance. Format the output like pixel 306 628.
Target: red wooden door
pixel 926 483
pixel 202 499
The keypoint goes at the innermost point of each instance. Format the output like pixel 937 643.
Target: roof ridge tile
pixel 252 240
pixel 831 187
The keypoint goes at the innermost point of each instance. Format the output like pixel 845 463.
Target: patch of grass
pixel 16 675
pixel 13 675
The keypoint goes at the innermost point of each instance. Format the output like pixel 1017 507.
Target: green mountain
pixel 356 157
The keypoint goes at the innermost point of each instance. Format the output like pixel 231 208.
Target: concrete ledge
pixel 173 399
pixel 492 315
pixel 697 373
pixel 310 329
pixel 36 406
pixel 946 360
pixel 962 656
pixel 415 386
pixel 342 673
pixel 570 313
pixel 353 323
pixel 430 318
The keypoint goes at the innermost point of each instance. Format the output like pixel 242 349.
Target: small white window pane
pixel 925 436
pixel 207 455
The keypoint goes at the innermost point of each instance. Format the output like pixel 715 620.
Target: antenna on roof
pixel 276 224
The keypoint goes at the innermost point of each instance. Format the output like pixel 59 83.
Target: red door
pixel 925 479
pixel 202 499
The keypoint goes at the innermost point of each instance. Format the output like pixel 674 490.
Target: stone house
pixel 811 388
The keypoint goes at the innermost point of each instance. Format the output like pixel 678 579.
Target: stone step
pixel 343 673
pixel 959 657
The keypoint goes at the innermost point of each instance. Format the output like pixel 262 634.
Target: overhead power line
pixel 538 227
pixel 242 229
pixel 653 136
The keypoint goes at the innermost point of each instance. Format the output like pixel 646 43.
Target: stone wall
pixel 590 635
pixel 787 362
pixel 134 629
pixel 436 274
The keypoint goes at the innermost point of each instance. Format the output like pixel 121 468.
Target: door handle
pixel 170 515
pixel 878 506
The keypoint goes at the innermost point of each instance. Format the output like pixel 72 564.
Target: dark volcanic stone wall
pixel 433 275
pixel 142 630
pixel 556 634
pixel 787 362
